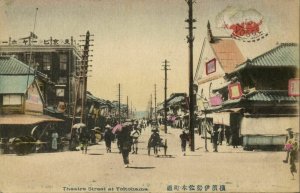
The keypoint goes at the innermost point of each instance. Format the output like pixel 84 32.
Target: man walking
pixel 135 134
pixel 125 143
pixel 184 138
pixel 108 138
pixel 215 134
pixel 289 137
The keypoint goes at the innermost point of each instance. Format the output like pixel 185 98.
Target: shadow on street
pixel 142 168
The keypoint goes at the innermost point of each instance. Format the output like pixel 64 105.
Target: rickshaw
pixel 156 142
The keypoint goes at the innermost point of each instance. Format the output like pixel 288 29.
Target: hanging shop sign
pixel 247 25
pixel 235 91
pixel 215 100
pixel 294 87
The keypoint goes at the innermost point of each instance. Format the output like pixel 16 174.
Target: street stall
pixel 23 134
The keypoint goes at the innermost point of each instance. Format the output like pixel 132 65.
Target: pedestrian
pixel 235 138
pixel 227 135
pixel 184 139
pixel 54 140
pixel 220 135
pixel 154 141
pixel 289 136
pixel 215 135
pixel 108 138
pixel 84 140
pixel 292 147
pixel 135 134
pixel 125 143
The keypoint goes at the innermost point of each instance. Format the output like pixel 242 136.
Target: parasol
pixel 79 125
pixel 118 127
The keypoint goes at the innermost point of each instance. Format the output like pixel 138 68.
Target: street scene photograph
pixel 149 96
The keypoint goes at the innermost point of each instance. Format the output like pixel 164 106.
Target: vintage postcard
pixel 149 96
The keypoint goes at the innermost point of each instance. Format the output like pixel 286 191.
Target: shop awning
pixel 222 118
pixel 268 125
pixel 26 119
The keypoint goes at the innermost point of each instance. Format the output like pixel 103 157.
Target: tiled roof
pixel 270 95
pixel 176 100
pixel 10 66
pixel 284 55
pixel 96 99
pixel 15 84
pixel 228 54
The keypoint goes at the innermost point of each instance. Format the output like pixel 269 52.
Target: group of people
pixel 127 137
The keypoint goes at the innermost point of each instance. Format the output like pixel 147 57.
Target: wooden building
pixel 255 100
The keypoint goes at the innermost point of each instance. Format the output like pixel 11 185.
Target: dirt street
pixel 229 170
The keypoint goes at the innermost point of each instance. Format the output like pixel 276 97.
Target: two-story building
pixel 58 59
pixel 21 100
pixel 253 100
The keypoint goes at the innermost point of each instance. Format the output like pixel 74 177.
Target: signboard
pixel 247 25
pixel 211 66
pixel 215 100
pixel 235 91
pixel 294 87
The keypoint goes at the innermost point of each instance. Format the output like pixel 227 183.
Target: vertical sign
pixel 294 87
pixel 211 66
pixel 235 91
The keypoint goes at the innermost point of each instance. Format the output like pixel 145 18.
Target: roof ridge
pixel 273 50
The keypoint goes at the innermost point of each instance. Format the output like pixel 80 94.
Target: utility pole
pixel 81 79
pixel 165 66
pixel 155 114
pixel 151 109
pixel 131 110
pixel 190 40
pixel 119 103
pixel 84 75
pixel 127 109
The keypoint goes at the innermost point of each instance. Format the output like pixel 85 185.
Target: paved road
pixel 233 169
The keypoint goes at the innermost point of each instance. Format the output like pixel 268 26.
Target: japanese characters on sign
pixel 245 25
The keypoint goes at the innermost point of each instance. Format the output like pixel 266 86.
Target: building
pixel 177 110
pixel 58 59
pixel 255 100
pixel 21 100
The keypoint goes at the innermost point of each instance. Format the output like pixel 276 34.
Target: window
pixel 62 80
pixel 12 100
pixel 47 62
pixel 63 61
pixel 30 59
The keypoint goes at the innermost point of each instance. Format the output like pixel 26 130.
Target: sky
pixel 132 38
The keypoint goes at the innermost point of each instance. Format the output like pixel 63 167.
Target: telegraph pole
pixel 190 40
pixel 131 110
pixel 155 114
pixel 127 109
pixel 151 109
pixel 119 103
pixel 165 66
